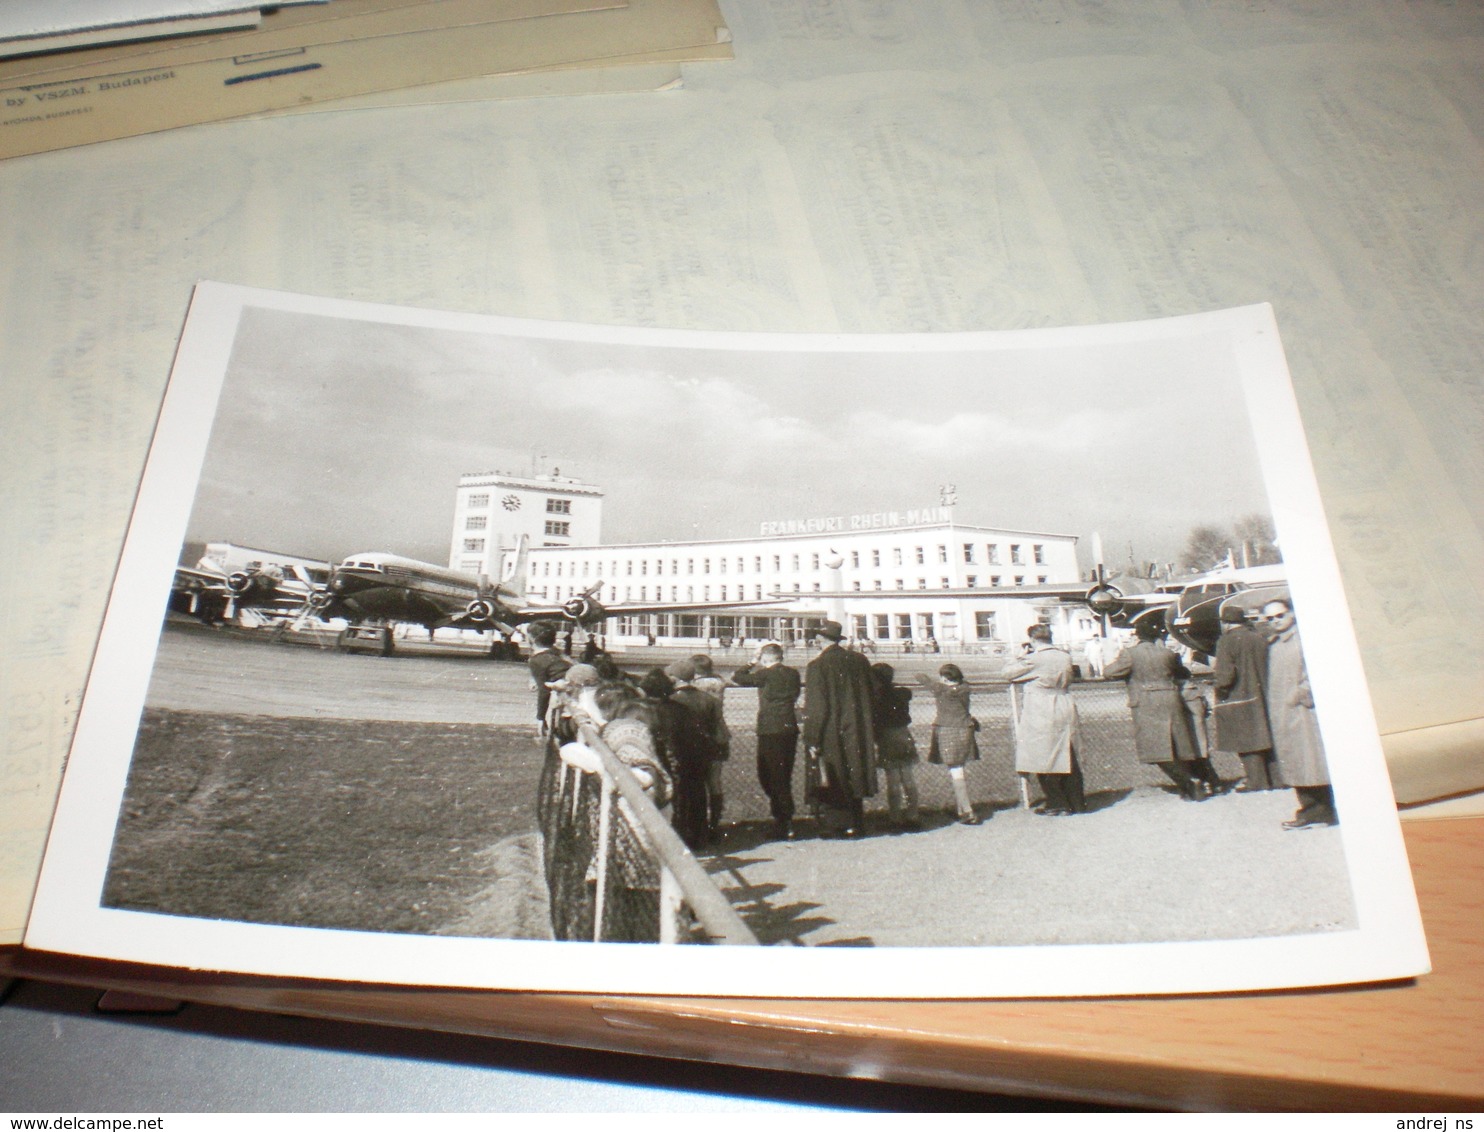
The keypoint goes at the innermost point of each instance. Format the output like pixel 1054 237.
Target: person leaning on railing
pixel 629 907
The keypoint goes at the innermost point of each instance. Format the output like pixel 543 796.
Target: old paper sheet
pixel 863 168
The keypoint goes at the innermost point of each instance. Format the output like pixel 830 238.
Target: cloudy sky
pixel 335 436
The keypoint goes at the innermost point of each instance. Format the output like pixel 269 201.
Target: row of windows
pixel 920 626
pixel 796 561
pixel 972 582
pixel 553 506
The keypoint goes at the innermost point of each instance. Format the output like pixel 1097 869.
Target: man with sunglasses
pixel 1297 745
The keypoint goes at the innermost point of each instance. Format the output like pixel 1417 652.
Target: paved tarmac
pixel 1149 867
pixel 1145 866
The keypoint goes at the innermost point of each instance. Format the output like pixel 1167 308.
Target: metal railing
pixel 616 871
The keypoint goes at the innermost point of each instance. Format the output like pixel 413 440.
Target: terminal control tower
pixel 493 509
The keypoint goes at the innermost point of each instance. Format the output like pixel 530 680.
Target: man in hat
pixel 838 732
pixel 710 726
pixel 1240 680
pixel 546 664
pixel 777 730
pixel 1297 744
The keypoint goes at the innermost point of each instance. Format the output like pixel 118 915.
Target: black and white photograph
pixel 456 650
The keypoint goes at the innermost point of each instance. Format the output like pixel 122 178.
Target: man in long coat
pixel 838 732
pixel 1048 732
pixel 1164 733
pixel 1241 676
pixel 1297 744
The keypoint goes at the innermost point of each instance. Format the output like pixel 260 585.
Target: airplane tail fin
pixel 513 584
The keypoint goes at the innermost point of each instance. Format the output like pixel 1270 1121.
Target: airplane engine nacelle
pixel 480 610
pixel 583 610
pixel 240 582
pixel 1104 600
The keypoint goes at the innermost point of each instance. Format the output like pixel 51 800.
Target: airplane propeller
pixel 584 607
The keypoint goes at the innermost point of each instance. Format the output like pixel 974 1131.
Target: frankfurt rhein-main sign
pixel 871 520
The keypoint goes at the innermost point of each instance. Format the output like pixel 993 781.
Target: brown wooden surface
pixel 1414 1044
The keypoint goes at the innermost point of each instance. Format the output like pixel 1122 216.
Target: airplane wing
pixel 586 609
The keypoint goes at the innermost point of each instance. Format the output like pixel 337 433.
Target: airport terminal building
pixel 910 578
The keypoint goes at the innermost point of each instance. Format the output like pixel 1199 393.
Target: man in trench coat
pixel 838 732
pixel 1297 744
pixel 1241 675
pixel 1164 733
pixel 1048 732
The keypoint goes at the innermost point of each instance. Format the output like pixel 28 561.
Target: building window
pixel 777 563
pixel 659 565
pixel 942 553
pixel 473 545
pixel 674 593
pixel 855 559
pixel 921 556
pixel 628 567
pixel 741 564
pixel 817 587
pixel 1020 579
pixel 757 592
pixel 723 593
pixel 984 624
pixel 992 553
pixel 875 558
pixel 690 565
pixel 644 566
pixel 795 561
pixel 945 583
pixel 555 528
pixel 968 552
pixel 896 556
pixel 721 565
pixel 925 623
pixel 922 583
pixel 1015 553
pixel 757 564
pixel 705 565
pixel 860 625
pixel 476 522
pixel 481 500
pixel 558 569
pixel 971 581
pixel 876 585
pixel 994 579
pixel 797 587
pixel 883 627
pixel 901 585
pixel 1041 579
pixel 814 562
pixel 1038 554
pixel 904 625
pixel 559 507
pixel 643 593
pixel 856 586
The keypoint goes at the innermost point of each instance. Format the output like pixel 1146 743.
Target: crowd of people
pixel 669 724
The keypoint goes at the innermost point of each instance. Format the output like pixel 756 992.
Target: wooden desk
pixel 1398 1046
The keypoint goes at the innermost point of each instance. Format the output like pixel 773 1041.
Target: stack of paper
pixel 323 54
pixel 31 27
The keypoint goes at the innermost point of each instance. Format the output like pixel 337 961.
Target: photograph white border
pixel 67 915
